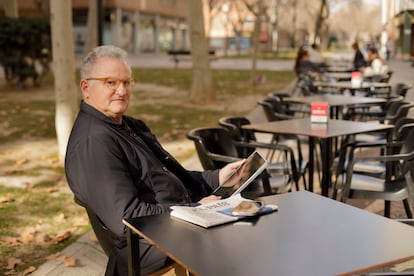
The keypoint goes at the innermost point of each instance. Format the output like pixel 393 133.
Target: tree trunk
pixel 64 71
pixel 322 16
pixel 202 84
pixel 255 38
pixel 92 34
pixel 11 9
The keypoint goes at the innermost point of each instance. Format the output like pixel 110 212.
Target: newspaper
pixel 214 213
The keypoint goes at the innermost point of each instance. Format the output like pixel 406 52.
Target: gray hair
pixel 89 61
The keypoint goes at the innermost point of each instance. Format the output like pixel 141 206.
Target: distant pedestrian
pixel 303 64
pixel 377 66
pixel 359 60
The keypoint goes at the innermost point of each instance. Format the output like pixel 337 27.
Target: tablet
pixel 242 177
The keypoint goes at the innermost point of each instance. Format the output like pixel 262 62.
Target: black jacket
pixel 122 175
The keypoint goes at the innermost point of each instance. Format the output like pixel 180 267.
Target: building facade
pixel 400 27
pixel 137 26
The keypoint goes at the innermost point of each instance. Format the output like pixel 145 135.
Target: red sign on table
pixel 319 112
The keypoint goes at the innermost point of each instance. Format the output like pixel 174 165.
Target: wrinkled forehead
pixel 110 66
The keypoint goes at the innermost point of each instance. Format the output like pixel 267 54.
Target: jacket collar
pixel 90 110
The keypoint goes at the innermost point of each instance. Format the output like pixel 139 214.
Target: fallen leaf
pixel 29 270
pixel 10 240
pixel 27 186
pixel 62 236
pixel 51 190
pixel 52 160
pixel 42 238
pixel 10 172
pixel 53 256
pixel 28 235
pixel 68 261
pixel 12 262
pixel 59 218
pixel 6 199
pixel 20 162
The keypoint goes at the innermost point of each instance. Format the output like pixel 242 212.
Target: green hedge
pixel 24 42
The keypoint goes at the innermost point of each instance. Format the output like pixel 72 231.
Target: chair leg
pixel 407 208
pixel 387 209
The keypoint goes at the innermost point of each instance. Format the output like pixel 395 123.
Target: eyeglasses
pixel 113 83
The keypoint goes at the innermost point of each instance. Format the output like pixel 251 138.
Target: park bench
pixel 184 55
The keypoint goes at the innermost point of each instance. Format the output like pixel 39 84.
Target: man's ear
pixel 84 86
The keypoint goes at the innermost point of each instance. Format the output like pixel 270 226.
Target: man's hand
pixel 227 170
pixel 209 199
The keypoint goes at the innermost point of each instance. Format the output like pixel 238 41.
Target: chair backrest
pixel 397 110
pixel 212 140
pixel 306 86
pixel 401 89
pixel 407 134
pixel 234 126
pixel 274 109
pixel 105 238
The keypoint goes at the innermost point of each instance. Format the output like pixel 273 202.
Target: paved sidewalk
pixel 90 257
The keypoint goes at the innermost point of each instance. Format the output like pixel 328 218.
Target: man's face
pixel 97 93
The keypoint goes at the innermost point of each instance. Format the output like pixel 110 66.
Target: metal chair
pixel 111 244
pixel 216 148
pixel 233 124
pixel 371 168
pixel 398 181
pixel 115 265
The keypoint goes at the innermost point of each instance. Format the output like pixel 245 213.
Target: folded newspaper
pixel 214 213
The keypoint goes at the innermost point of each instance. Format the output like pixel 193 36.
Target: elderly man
pixel 116 165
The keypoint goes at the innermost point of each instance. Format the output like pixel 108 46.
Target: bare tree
pixel 92 37
pixel 202 90
pixel 359 28
pixel 237 18
pixel 43 7
pixel 64 70
pixel 258 9
pixel 11 8
pixel 320 20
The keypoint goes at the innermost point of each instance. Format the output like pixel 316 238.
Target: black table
pixel 369 87
pixel 335 102
pixel 310 235
pixel 324 132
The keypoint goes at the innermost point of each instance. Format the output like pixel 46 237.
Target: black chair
pixel 216 148
pixel 116 265
pixel 371 168
pixel 275 110
pixel 394 112
pixel 234 125
pixel 305 86
pixel 106 239
pixel 398 181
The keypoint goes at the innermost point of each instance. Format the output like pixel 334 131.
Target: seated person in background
pixel 359 60
pixel 303 65
pixel 377 65
pixel 116 165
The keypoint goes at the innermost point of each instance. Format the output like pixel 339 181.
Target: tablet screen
pixel 239 180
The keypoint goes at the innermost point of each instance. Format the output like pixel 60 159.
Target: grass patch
pixel 36 209
pixel 27 119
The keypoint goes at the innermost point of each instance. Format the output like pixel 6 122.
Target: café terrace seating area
pixel 364 150
pixel 330 141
